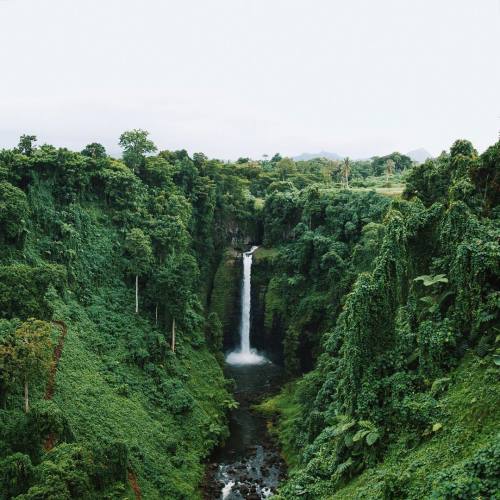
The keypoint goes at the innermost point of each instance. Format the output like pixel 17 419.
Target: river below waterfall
pixel 249 465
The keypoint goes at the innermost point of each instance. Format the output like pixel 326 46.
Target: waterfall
pixel 246 302
pixel 245 355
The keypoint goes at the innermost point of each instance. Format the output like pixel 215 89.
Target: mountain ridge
pixel 419 155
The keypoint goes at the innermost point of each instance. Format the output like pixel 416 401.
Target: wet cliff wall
pixel 266 320
pixel 226 294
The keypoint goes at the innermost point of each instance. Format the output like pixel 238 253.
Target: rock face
pixel 225 296
pixel 266 322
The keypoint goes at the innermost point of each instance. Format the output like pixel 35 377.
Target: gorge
pixel 248 465
pixel 359 340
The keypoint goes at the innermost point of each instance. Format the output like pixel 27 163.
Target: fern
pixel 343 467
pixel 428 280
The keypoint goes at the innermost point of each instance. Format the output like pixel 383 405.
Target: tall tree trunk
pixel 26 398
pixel 136 294
pixel 156 315
pixel 173 335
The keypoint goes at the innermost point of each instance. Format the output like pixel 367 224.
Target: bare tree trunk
pixel 26 398
pixel 156 315
pixel 136 294
pixel 173 335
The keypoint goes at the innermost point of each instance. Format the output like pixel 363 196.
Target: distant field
pixel 395 190
pixel 391 191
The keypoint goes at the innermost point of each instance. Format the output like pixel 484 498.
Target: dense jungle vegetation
pixel 390 313
pixel 376 285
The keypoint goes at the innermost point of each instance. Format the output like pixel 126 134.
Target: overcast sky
pixel 246 77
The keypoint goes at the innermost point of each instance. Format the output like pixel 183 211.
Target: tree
pixel 14 211
pixel 140 256
pixel 16 472
pixel 401 162
pixel 136 145
pixel 214 332
pixel 242 160
pixel 121 187
pixel 345 172
pixel 366 250
pixel 27 354
pixel 389 169
pixel 486 176
pixel 158 172
pixel 23 289
pixel 462 147
pixel 176 282
pixel 168 233
pixel 94 150
pixel 199 159
pixel 285 168
pixel 25 145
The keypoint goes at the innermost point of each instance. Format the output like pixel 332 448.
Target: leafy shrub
pixel 23 288
pixel 177 398
pixel 16 474
pixel 46 418
pixel 478 477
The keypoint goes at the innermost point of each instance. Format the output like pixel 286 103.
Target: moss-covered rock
pixel 267 325
pixel 225 296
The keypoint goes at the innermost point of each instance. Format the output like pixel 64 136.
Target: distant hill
pixel 419 155
pixel 321 154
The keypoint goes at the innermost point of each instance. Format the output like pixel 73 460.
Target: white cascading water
pixel 245 355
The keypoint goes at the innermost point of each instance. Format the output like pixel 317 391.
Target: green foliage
pixel 214 333
pixel 26 355
pixel 432 280
pixel 399 161
pixel 178 400
pixel 23 289
pixel 224 296
pixel 74 223
pixel 122 189
pixel 486 177
pixel 26 144
pixel 94 150
pixel 476 478
pixel 406 319
pixel 375 300
pixel 138 251
pixel 135 144
pixel 46 419
pixel 13 212
pixel 16 472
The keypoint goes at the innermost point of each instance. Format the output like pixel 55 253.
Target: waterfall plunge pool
pixel 245 355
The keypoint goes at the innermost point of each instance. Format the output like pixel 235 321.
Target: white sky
pixel 246 77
